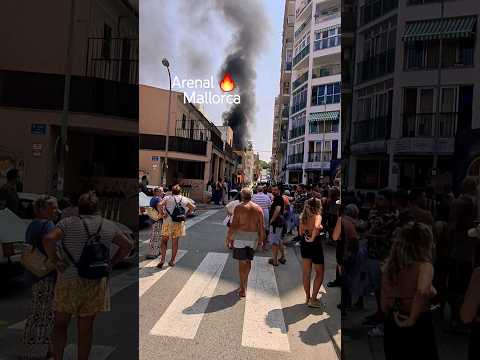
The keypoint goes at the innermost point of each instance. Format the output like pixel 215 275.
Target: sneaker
pixel 377 331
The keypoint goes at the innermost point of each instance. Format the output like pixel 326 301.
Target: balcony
pixel 175 143
pixel 295 158
pixel 285 113
pixel 374 9
pixel 320 156
pixel 297 132
pixel 374 67
pixel 424 55
pixel 425 125
pixel 300 81
pixel 372 130
pixel 327 43
pixel 326 71
pixel 113 59
pixel 298 107
pixel 302 7
pixel 301 55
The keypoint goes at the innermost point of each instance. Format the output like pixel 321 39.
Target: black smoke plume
pixel 250 23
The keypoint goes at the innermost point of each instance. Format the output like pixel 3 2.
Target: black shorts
pixel 243 254
pixel 312 250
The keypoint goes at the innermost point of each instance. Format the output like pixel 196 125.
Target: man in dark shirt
pixel 8 192
pixel 276 226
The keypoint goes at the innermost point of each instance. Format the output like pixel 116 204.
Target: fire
pixel 227 84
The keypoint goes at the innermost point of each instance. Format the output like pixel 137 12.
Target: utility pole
pixel 66 104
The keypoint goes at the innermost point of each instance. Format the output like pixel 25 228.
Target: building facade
pixel 198 151
pixel 103 95
pixel 416 91
pixel 282 101
pixel 313 149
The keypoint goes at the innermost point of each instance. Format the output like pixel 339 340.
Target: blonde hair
pixel 413 243
pixel 312 207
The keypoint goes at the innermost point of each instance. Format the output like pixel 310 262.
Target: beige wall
pixel 41 46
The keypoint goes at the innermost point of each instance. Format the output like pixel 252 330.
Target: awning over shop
pixel 449 28
pixel 325 116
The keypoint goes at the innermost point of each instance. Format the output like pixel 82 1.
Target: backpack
pixel 94 262
pixel 178 214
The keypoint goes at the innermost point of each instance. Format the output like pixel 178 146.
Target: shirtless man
pixel 245 234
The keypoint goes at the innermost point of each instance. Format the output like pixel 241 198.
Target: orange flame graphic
pixel 227 84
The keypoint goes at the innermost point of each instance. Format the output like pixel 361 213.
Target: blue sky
pixel 169 28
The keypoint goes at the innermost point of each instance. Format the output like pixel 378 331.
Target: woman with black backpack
pixel 176 208
pixel 82 288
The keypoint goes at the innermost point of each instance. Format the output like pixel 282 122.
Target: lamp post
pixel 167 138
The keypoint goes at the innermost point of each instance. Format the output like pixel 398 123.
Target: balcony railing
pixel 175 143
pixel 429 125
pixel 302 7
pixel 195 134
pixel 319 156
pixel 319 127
pixel 375 8
pixel 374 67
pixel 302 79
pixel 284 136
pixel 295 158
pixel 112 59
pixel 326 71
pixel 297 132
pixel 373 129
pixel 285 113
pixel 301 55
pixel 298 107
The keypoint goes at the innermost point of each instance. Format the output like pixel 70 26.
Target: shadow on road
pixel 313 335
pixel 215 303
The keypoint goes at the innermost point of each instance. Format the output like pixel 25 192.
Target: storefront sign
pixel 156 158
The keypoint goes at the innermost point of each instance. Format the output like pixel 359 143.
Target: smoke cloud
pixel 250 22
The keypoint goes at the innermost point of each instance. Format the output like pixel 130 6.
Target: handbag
pixel 35 261
pixel 153 214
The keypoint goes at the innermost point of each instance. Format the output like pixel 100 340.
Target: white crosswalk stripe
pixel 146 280
pixel 184 315
pixel 263 325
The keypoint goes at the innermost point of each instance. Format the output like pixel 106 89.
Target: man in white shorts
pixel 245 234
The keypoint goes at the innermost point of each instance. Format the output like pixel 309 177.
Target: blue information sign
pixel 39 129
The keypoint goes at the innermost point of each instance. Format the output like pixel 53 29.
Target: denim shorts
pixel 275 235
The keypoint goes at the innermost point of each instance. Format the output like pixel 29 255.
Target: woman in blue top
pixel 36 336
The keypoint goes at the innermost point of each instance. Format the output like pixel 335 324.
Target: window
pixel 326 94
pixel 299 99
pixel 107 41
pixel 286 87
pixel 288 59
pixel 302 43
pixel 327 38
pixel 290 19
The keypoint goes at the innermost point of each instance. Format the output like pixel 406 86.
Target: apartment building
pixel 313 149
pixel 416 92
pixel 282 101
pixel 103 91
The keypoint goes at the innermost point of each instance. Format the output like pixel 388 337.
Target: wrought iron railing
pixel 113 59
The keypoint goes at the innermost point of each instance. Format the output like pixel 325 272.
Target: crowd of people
pixel 269 216
pixel 412 251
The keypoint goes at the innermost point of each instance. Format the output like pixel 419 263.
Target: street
pixel 192 310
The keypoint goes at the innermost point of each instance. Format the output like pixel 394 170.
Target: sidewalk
pixel 358 345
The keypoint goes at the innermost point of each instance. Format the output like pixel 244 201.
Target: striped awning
pixel 449 28
pixel 325 116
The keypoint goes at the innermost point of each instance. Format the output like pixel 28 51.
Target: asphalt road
pixel 191 311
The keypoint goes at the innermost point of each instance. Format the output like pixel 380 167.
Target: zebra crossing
pixel 263 327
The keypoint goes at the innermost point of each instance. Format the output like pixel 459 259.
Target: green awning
pixel 325 116
pixel 449 28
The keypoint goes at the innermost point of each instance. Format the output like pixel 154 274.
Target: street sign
pixel 37 150
pixel 39 129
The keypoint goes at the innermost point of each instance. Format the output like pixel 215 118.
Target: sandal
pixel 270 261
pixel 160 265
pixel 282 261
pixel 171 263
